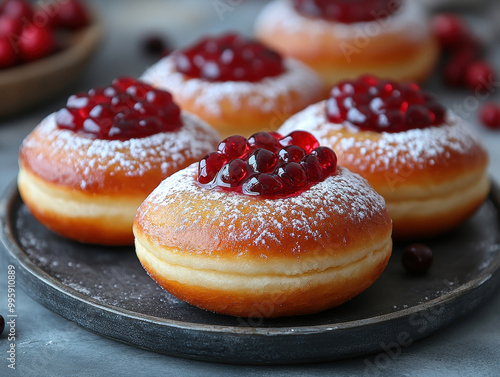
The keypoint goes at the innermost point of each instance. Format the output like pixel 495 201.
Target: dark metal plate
pixel 105 290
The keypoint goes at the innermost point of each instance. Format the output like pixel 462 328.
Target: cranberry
pixel 264 140
pixel 2 324
pixel 8 56
pixel 234 146
pixel 479 75
pixel 417 259
pixel 262 184
pixel 229 57
pixel 126 109
pixel 449 30
pixel 262 161
pixel 383 105
pixel 327 160
pixel 490 116
pixel 302 139
pixel 10 27
pixel 209 166
pixel 155 45
pixel 267 164
pixel 347 11
pixel 36 42
pixel 71 15
pixel 233 173
pixel 291 153
pixel 19 9
pixel 455 70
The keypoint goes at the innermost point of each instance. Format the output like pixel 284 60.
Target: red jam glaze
pixel 268 165
pixel 229 57
pixel 379 105
pixel 347 11
pixel 127 109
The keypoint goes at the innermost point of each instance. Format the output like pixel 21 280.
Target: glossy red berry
pixel 36 42
pixel 267 164
pixel 233 173
pixel 262 161
pixel 233 146
pixel 229 57
pixel 19 9
pixel 490 116
pixel 155 45
pixel 347 11
pixel 71 15
pixel 209 166
pixel 10 27
pixel 264 140
pixel 479 75
pixel 302 139
pixel 126 109
pixel 417 259
pixel 262 184
pixel 449 29
pixel 383 106
pixel 8 56
pixel 291 153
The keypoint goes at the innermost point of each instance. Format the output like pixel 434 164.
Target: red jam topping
pixel 267 164
pixel 127 109
pixel 347 11
pixel 229 57
pixel 379 105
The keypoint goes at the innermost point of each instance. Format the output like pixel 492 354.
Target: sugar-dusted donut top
pixel 418 155
pixel 114 166
pixel 211 97
pixel 336 215
pixel 281 15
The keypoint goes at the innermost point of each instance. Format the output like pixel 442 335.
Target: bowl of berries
pixel 43 48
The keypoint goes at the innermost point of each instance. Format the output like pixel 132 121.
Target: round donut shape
pixel 89 189
pixel 244 256
pixel 432 179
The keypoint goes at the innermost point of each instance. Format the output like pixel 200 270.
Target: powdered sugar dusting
pixel 413 149
pixel 345 197
pixel 210 96
pixel 132 157
pixel 280 14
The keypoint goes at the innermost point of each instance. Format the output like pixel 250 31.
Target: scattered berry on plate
pixel 417 259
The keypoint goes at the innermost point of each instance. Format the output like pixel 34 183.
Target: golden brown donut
pixel 400 47
pixel 89 189
pixel 432 179
pixel 245 256
pixel 240 107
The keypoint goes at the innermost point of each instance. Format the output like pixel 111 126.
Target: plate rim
pixel 11 198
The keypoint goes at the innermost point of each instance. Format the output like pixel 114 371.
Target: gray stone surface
pixel 48 345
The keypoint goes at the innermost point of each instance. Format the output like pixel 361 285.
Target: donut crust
pixel 89 189
pixel 432 179
pixel 264 258
pixel 241 108
pixel 389 48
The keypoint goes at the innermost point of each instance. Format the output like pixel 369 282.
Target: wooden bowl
pixel 26 85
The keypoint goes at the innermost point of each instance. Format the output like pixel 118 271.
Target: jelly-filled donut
pixel 264 227
pixel 424 160
pixel 342 39
pixel 85 170
pixel 236 84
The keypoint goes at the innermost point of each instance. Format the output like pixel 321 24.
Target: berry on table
pixel 417 259
pixel 490 116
